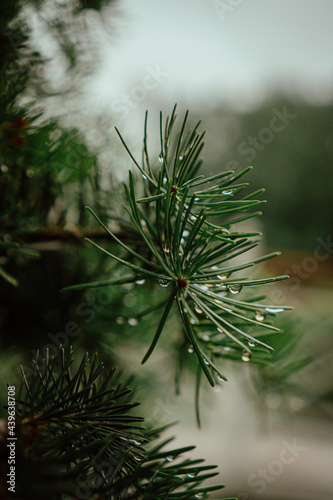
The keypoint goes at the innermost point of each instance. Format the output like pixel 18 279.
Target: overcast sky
pixel 208 51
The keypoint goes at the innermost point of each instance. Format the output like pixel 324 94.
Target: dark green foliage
pixel 78 438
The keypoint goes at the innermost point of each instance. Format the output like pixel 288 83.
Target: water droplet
pixel 140 282
pixel 186 233
pixel 164 283
pixel 169 459
pixel 226 349
pixel 273 310
pixel 120 320
pixel 206 362
pixel 197 309
pixel 251 344
pixel 4 169
pixel 135 441
pixel 246 355
pixel 196 199
pixel 144 177
pixel 227 191
pixel 137 459
pixel 132 321
pixel 190 475
pixel 259 316
pixel 30 173
pixel 222 276
pixel 205 288
pixel 235 288
pixel 199 495
pixel 214 268
pixel 219 329
pixel 193 217
pixel 160 158
pixel 190 350
pixel 221 379
pixel 193 320
pixel 165 180
pixel 166 248
pixel 206 337
pixel 180 157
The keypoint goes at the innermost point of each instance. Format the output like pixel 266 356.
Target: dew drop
pixel 137 459
pixel 144 177
pixel 180 157
pixel 186 233
pixel 198 495
pixel 164 283
pixel 190 475
pixel 166 248
pixel 160 158
pixel 227 191
pixel 219 329
pixel 206 337
pixel 259 316
pixel 169 459
pixel 205 288
pixel 120 320
pixel 165 180
pixel 221 379
pixel 190 350
pixel 251 344
pixel 246 356
pixel 273 310
pixel 197 309
pixel 132 321
pixel 193 218
pixel 222 276
pixel 140 282
pixel 235 288
pixel 226 349
pixel 196 199
pixel 206 362
pixel 214 268
pixel 4 169
pixel 194 321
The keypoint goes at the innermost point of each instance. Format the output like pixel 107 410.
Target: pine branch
pixel 78 438
pixel 190 252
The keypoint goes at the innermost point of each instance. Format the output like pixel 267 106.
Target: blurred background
pixel 260 76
